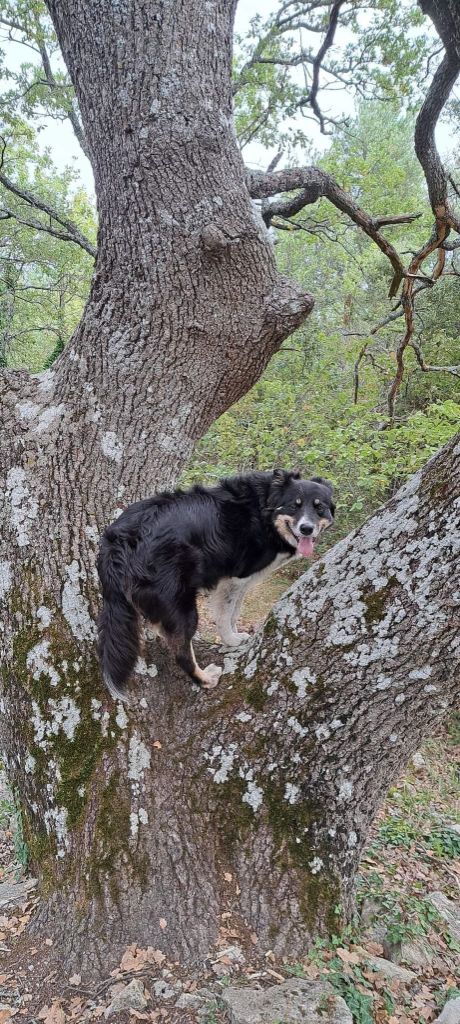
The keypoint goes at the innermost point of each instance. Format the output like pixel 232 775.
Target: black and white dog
pixel 163 551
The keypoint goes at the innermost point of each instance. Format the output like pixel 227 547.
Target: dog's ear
pixel 323 481
pixel 283 476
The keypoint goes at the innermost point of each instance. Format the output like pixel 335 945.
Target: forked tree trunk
pixel 136 820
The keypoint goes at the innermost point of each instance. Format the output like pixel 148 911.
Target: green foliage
pixel 44 281
pixel 451 993
pixel 440 840
pixel 301 412
pixel 11 820
pixel 349 983
pixel 31 93
pixel 381 53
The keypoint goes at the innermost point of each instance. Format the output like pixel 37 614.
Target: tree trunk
pixel 135 820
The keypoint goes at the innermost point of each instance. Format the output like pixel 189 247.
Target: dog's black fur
pixel 157 556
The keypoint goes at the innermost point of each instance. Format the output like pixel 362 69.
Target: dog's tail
pixel 118 623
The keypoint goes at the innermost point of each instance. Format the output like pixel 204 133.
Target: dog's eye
pixel 298 501
pixel 318 505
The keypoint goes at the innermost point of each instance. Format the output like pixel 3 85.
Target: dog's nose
pixel 306 530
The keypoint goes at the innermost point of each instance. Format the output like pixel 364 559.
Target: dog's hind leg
pixel 178 634
pixel 207 677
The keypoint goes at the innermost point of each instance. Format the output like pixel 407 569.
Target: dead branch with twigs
pixel 309 184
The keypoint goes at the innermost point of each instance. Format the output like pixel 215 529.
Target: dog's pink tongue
pixel 305 546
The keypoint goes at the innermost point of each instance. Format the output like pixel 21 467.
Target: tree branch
pixel 48 229
pixel 71 232
pixel 316 184
pixel 312 98
pixel 53 84
pixel 447 23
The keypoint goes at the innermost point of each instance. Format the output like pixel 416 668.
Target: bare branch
pixel 312 98
pixel 402 218
pixel 316 184
pixel 54 85
pixel 446 20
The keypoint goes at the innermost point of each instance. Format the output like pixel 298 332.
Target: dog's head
pixel 300 509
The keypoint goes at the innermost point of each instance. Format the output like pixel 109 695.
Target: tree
pixel 143 824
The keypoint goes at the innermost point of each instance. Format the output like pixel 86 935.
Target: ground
pixel 414 851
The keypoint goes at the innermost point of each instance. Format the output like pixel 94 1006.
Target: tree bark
pixel 136 820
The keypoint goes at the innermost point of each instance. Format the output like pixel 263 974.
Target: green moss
pixel 320 892
pixel 23 641
pixel 256 696
pixel 271 625
pixel 111 842
pixel 237 817
pixel 438 490
pixel 77 759
pixel 78 775
pixel 42 851
pixel 376 601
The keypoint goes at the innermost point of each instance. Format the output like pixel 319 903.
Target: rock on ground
pixel 163 990
pixel 390 970
pixel 418 955
pixel 15 892
pixel 451 1013
pixel 296 1001
pixel 189 1001
pixel 131 997
pixel 449 911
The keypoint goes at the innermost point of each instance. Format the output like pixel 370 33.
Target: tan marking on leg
pixel 208 677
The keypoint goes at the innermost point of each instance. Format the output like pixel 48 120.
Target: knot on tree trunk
pixel 213 239
pixel 287 306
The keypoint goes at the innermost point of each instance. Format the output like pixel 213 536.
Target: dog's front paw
pixel 212 674
pixel 235 639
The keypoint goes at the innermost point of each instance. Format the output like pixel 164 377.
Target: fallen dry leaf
pixel 75 979
pixel 163 922
pixel 347 957
pixel 53 1014
pixel 135 958
pixel 274 974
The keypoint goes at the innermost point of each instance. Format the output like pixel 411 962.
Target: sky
pixel 59 137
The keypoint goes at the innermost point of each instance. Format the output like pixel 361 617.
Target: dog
pixel 161 552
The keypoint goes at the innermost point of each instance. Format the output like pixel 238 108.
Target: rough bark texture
pixel 135 818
